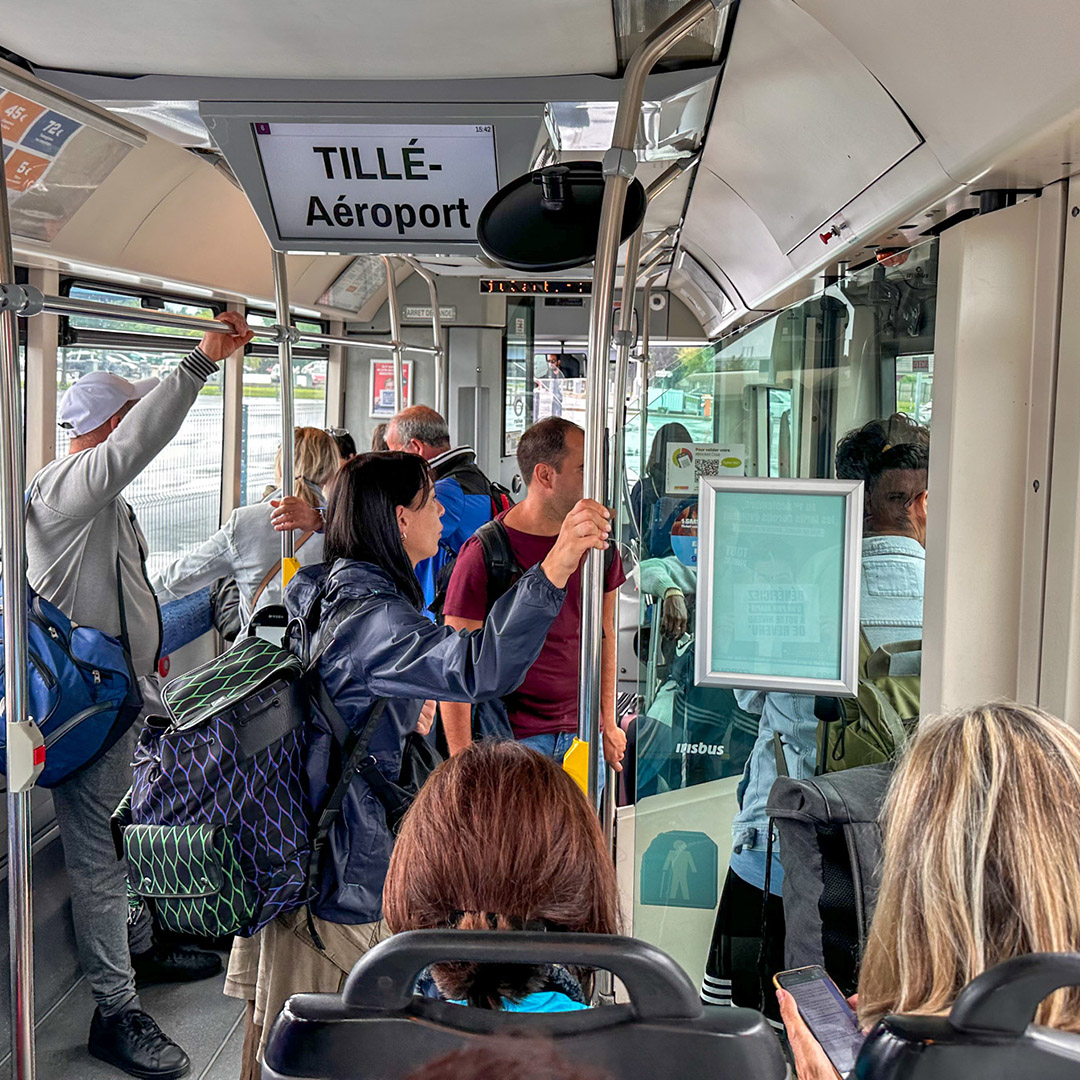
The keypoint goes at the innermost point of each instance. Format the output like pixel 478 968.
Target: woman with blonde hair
pixel 246 547
pixel 981 863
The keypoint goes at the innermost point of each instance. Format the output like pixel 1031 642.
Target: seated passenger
pixel 654 509
pixel 893 564
pixel 382 518
pixel 981 863
pixel 246 547
pixel 346 444
pixel 501 838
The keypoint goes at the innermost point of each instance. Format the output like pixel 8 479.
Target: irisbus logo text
pixel 710 749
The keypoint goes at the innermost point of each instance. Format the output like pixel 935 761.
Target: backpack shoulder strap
pixel 354 750
pixel 499 563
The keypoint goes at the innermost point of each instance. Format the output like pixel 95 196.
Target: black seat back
pixel 377 1030
pixel 990 1033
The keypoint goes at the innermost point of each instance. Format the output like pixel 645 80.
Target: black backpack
pixel 830 848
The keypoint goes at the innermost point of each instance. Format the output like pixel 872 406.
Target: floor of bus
pixel 208 1025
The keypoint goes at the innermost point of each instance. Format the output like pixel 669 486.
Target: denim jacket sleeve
pixel 400 653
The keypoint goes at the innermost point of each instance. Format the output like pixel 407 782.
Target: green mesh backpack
pixel 872 728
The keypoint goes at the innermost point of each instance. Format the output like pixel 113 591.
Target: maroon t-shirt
pixel 546 702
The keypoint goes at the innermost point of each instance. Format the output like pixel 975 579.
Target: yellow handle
pixel 288 569
pixel 576 763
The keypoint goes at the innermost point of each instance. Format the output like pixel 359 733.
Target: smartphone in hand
pixel 828 1016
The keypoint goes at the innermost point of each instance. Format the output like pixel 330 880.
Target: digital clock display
pixel 536 287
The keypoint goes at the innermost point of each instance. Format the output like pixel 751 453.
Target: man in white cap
pixel 80 533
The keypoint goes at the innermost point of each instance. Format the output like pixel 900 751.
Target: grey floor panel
pixel 227 1064
pixel 197 1015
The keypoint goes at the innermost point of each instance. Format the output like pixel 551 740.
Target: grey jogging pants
pixel 99 905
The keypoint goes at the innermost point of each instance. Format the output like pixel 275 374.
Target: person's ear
pixel 402 519
pixel 544 474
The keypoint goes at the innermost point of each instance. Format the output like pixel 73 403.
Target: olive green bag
pixel 873 728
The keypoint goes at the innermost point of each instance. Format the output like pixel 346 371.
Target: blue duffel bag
pixel 80 690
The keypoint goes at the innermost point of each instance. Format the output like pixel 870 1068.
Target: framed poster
pixel 381 393
pixel 779 574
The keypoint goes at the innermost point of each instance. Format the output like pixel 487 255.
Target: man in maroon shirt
pixel 543 710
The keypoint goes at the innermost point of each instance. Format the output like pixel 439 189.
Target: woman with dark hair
pixel 501 838
pixel 654 510
pixel 374 644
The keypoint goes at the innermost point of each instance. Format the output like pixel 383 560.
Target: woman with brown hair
pixel 981 864
pixel 501 838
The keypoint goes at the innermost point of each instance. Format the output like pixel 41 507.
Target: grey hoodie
pixel 77 521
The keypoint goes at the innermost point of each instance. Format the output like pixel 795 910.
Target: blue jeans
pixel 554 746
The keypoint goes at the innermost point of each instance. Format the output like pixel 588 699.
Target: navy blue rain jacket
pixel 386 648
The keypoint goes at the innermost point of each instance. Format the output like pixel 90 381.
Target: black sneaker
pixel 133 1042
pixel 174 963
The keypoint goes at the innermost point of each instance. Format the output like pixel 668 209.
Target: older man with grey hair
pixel 468 497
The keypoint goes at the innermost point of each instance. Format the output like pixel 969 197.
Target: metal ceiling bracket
pixel 23 300
pixel 620 162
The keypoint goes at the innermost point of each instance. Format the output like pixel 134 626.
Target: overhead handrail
pixel 442 382
pixel 620 163
pixel 25 301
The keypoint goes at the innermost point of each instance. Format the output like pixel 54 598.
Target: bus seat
pixel 990 1033
pixel 376 1029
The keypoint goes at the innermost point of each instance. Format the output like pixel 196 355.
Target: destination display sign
pixel 536 286
pixel 381 182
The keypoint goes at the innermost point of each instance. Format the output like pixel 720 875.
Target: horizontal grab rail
pixel 66 305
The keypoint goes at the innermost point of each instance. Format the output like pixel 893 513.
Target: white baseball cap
pixel 91 400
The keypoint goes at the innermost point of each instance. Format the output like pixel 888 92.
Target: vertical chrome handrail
pixel 395 334
pixel 619 164
pixel 20 780
pixel 285 380
pixel 605 981
pixel 442 386
pixel 622 361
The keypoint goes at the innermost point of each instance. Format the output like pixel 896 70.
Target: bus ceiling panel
pixel 721 223
pixel 334 39
pixel 976 77
pixel 734 237
pixel 800 125
pixel 163 214
pixel 713 307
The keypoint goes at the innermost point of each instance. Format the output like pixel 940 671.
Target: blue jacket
pixel 465 493
pixel 890 610
pixel 389 649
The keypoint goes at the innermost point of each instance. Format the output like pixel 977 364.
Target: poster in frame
pixel 779 578
pixel 381 388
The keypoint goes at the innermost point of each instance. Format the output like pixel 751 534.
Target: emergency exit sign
pixel 382 182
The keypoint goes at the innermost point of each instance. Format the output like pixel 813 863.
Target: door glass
pixel 770 400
